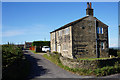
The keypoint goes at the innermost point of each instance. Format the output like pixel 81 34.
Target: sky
pixel 60 0
pixel 119 24
pixel 33 21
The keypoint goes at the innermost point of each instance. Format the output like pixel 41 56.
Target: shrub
pixel 113 52
pixel 10 54
pixel 55 52
pixel 108 70
pixel 118 53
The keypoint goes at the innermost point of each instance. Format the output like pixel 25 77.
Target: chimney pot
pixel 89 10
pixel 90 5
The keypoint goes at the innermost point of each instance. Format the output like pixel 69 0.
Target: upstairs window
pixel 53 35
pixel 67 31
pixel 99 30
pixel 60 33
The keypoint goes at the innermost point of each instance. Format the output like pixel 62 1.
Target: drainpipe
pixel 96 39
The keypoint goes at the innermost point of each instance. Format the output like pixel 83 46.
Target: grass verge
pixel 33 51
pixel 108 70
pixel 37 52
pixel 92 58
pixel 118 53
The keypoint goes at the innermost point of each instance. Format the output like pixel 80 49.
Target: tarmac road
pixel 43 68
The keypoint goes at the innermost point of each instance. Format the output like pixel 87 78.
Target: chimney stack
pixel 89 10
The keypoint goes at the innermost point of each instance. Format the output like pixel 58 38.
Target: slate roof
pixel 71 23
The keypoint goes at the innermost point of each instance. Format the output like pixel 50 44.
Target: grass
pixel 55 59
pixel 96 72
pixel 34 51
pixel 92 58
pixel 118 53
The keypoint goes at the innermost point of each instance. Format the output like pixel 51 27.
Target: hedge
pixel 41 43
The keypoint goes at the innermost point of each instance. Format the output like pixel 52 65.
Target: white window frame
pixel 67 31
pixel 53 35
pixel 60 33
pixel 100 29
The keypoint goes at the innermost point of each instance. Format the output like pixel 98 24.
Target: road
pixel 43 68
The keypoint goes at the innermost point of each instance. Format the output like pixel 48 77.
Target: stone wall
pixel 84 39
pixel 81 40
pixel 52 41
pixel 103 38
pixel 62 42
pixel 88 64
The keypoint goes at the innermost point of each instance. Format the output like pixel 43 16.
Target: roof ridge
pixel 69 24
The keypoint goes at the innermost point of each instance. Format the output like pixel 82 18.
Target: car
pixel 45 48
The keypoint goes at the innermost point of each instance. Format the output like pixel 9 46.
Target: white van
pixel 45 48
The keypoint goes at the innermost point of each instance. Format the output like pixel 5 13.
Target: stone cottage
pixel 86 37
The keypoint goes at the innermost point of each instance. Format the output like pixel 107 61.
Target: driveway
pixel 43 68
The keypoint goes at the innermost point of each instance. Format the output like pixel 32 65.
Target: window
pixel 99 30
pixel 65 47
pixel 66 31
pixel 64 38
pixel 53 35
pixel 102 45
pixel 60 33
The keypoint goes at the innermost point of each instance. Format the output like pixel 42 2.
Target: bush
pixel 55 52
pixel 107 70
pixel 113 52
pixel 14 64
pixel 10 54
pixel 118 53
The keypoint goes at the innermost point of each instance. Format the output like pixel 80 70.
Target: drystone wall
pixel 88 64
